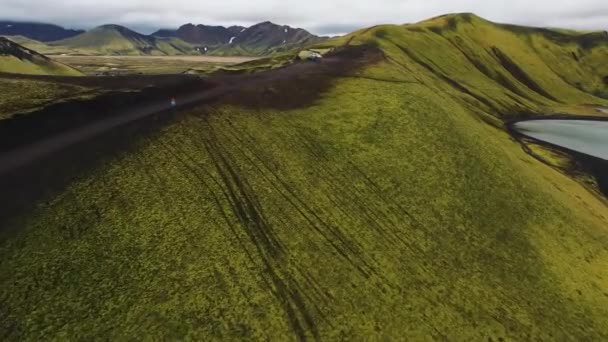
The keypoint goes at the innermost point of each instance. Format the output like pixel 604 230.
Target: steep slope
pixel 386 202
pixel 119 40
pixel 15 58
pixel 36 31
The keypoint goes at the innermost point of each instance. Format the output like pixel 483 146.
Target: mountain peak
pixel 265 23
pixel 113 27
pixel 122 30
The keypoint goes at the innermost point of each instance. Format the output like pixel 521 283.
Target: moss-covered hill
pixel 119 40
pixel 498 69
pixel 17 59
pixel 394 206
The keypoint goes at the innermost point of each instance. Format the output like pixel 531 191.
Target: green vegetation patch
pixel 15 65
pixel 18 96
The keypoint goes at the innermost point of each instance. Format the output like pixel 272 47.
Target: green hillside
pixel 118 40
pixel 392 206
pixel 40 47
pixel 16 59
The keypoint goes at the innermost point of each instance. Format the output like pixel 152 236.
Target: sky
pixel 323 17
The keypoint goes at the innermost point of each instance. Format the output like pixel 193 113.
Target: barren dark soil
pixel 66 137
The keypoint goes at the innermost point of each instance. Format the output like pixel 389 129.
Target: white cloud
pixel 319 16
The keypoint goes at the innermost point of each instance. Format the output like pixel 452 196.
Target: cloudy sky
pixel 318 16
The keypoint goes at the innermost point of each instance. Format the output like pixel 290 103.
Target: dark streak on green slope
pixel 457 86
pixel 484 69
pixel 519 74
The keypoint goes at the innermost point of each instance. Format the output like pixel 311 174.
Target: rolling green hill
pixel 118 40
pixel 390 205
pixel 17 59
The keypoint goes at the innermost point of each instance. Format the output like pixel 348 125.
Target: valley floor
pixel 93 65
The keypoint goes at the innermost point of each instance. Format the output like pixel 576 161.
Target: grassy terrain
pixel 40 47
pixel 93 65
pixel 117 40
pixel 19 96
pixel 393 207
pixel 276 61
pixel 17 59
pixel 20 66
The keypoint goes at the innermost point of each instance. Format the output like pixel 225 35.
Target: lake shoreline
pixel 594 166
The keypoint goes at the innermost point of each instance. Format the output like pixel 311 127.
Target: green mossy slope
pixel 500 69
pixel 118 40
pixel 15 65
pixel 16 59
pixel 387 209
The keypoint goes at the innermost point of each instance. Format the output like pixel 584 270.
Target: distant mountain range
pixel 202 34
pixel 37 31
pixel 119 40
pixel 260 39
pixel 15 58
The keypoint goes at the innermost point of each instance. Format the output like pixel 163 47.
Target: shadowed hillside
pixel 36 31
pixel 375 195
pixel 199 34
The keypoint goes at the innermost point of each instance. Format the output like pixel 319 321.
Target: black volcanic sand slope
pixel 43 134
pixel 389 203
pixel 63 117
